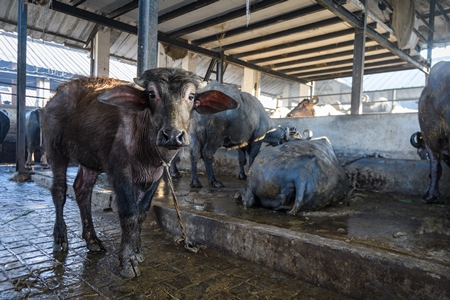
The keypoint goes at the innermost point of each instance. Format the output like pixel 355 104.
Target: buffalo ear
pixel 212 101
pixel 124 96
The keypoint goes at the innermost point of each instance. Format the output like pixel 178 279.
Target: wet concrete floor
pixel 384 221
pixel 30 270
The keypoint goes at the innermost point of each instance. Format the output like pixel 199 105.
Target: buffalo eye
pixel 151 94
pixel 191 96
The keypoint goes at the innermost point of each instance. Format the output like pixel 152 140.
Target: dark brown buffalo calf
pixel 126 132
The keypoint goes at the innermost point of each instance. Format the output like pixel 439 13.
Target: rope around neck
pixel 188 245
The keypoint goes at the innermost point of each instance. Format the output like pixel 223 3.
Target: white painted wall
pixel 359 135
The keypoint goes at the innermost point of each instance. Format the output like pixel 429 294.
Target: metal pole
pixel 147 36
pixel 431 31
pixel 219 70
pixel 358 66
pixel 21 84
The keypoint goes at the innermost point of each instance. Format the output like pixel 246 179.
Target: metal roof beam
pixel 321 57
pixel 314 39
pixel 328 22
pixel 225 17
pixel 92 17
pixel 46 32
pixel 425 22
pixel 444 13
pixel 75 3
pixel 307 51
pixel 184 10
pixel 275 20
pixel 164 38
pixel 366 72
pixel 354 21
pixel 349 68
pixel 297 71
pixel 123 9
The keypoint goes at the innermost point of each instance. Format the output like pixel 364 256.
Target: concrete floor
pixel 30 270
pixel 374 246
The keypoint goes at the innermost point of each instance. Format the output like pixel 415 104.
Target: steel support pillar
pixel 219 69
pixel 21 84
pixel 431 31
pixel 358 66
pixel 147 36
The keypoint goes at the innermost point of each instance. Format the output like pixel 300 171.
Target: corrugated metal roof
pixel 54 57
pixel 297 40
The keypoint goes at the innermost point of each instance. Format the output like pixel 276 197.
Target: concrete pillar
pixel 304 91
pixel 358 66
pixel 189 63
pixel 287 102
pixel 100 53
pixel 251 82
pixel 43 91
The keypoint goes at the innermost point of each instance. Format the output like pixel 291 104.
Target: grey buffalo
pixel 243 129
pixel 297 176
pixel 434 121
pixel 33 136
pixel 129 132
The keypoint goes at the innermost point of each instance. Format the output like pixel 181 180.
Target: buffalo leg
pixel 173 169
pixel 83 186
pixel 300 189
pixel 132 214
pixel 433 193
pixel 209 160
pixel 242 161
pixel 30 159
pixel 58 191
pixel 194 153
pixel 249 198
pixel 252 150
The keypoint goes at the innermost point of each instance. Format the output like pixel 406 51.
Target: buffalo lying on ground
pixel 296 176
pixel 129 133
pixel 434 121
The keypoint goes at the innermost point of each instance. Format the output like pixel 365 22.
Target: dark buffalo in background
pixel 4 126
pixel 126 132
pixel 434 121
pixel 35 149
pixel 243 129
pixel 300 175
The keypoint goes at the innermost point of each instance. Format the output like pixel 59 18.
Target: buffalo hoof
pixel 196 184
pixel 45 166
pixel 95 245
pixel 242 177
pixel 60 247
pixel 176 175
pixel 129 268
pixel 216 184
pixel 430 200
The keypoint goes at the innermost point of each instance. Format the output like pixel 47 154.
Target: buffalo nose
pixel 171 138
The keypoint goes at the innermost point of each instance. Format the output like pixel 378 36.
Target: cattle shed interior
pixel 266 47
pixel 380 242
pixel 298 41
